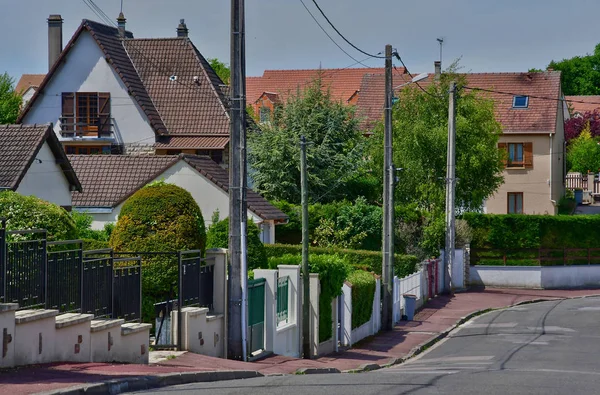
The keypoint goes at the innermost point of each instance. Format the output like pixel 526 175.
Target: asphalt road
pixel 544 348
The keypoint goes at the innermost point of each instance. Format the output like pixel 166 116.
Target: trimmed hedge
pixel 404 265
pixel 363 293
pixel 512 231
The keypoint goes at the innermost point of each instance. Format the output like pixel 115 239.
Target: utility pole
pixel 387 269
pixel 237 279
pixel 450 188
pixel 305 274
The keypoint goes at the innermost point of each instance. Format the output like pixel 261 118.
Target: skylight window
pixel 520 101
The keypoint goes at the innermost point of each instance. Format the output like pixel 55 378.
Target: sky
pixel 487 35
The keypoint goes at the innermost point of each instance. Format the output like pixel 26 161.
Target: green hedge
pixel 534 231
pixel 363 293
pixel 404 265
pixel 218 237
pixel 92 244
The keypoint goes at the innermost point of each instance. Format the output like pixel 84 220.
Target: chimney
pixel 438 69
pixel 121 24
pixel 182 30
pixel 54 39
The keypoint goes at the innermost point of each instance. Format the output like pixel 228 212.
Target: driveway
pixel 544 348
pixel 587 209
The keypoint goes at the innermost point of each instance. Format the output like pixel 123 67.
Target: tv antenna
pixel 441 41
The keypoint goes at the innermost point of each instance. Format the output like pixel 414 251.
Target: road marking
pixel 495 325
pixel 590 308
pixel 472 358
pixel 550 329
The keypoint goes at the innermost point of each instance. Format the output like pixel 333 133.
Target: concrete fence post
pixel 346 340
pixel 315 291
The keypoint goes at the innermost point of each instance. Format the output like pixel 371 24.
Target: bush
pixel 218 237
pixel 404 265
pixel 363 293
pixel 83 222
pixel 29 212
pixel 512 231
pixel 92 244
pixel 160 217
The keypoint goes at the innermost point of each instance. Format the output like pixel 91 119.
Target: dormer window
pixel 265 114
pixel 520 101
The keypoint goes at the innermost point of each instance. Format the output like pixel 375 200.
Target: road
pixel 543 348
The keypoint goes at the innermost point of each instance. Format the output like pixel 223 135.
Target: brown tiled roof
pixel 343 82
pixel 539 117
pixel 110 179
pixel 256 203
pixel 583 104
pixel 194 103
pixel 28 80
pixel 19 145
pixel 193 142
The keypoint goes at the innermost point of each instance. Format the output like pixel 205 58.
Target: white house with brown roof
pixel 34 163
pixel 530 108
pixel 27 85
pixel 108 92
pixel 108 180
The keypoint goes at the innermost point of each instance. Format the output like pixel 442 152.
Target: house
pixel 108 180
pixel 34 163
pixel 273 88
pixel 579 105
pixel 532 114
pixel 27 85
pixel 108 92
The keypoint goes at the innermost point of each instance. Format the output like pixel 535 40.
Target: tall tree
pixel 10 101
pixel 222 69
pixel 420 128
pixel 580 74
pixel 334 155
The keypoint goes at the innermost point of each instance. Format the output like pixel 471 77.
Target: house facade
pixel 34 163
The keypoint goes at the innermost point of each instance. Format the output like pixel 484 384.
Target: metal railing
pixel 65 275
pixel 127 289
pixel 87 127
pixel 282 299
pixel 196 279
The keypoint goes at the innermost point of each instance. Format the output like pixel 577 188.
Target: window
pixel 515 202
pixel 86 112
pixel 515 155
pixel 518 155
pixel 520 101
pixel 265 114
pixel 87 150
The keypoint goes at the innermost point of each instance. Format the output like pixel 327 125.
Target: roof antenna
pixel 439 40
pixel 121 5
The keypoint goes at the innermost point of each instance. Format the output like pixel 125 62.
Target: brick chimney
pixel 121 24
pixel 55 23
pixel 438 69
pixel 182 30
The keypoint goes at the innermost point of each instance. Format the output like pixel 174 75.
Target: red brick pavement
pixel 438 315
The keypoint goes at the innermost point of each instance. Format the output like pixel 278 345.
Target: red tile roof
pixel 583 104
pixel 28 80
pixel 19 145
pixel 343 82
pixel 193 142
pixel 539 117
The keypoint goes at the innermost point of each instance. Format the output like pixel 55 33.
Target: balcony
pixel 87 129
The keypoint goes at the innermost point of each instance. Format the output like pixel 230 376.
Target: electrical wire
pixel 531 96
pixel 342 36
pixel 329 36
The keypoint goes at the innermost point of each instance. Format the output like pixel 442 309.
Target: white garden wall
pixel 536 276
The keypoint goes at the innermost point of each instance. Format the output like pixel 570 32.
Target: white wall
pixel 86 70
pixel 576 276
pixel 46 180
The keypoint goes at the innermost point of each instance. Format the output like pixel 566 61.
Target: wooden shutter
pixel 68 111
pixel 528 155
pixel 104 113
pixel 504 152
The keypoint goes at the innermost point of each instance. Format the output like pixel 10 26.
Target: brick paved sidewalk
pixel 437 316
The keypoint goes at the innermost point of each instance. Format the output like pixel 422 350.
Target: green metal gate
pixel 256 315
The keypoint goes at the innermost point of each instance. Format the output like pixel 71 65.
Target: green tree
pixel 10 101
pixel 334 155
pixel 583 154
pixel 222 69
pixel 580 74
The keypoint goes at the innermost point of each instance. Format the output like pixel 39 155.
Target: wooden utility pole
pixel 305 274
pixel 388 201
pixel 450 189
pixel 237 279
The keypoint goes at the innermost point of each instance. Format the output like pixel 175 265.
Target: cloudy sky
pixel 489 35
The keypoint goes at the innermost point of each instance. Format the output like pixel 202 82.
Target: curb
pixel 138 383
pixel 316 371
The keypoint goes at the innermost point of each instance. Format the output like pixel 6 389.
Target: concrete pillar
pixel 346 340
pixel 7 334
pixel 315 291
pixel 376 317
pixel 270 305
pixel 219 257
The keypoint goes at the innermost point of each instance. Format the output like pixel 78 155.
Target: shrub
pixel 83 222
pixel 218 237
pixel 29 212
pixel 159 218
pixel 93 244
pixel 404 265
pixel 363 293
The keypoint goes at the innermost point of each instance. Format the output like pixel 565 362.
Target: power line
pixel 342 36
pixel 532 96
pixel 328 35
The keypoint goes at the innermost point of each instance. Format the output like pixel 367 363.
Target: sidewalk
pixel 437 316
